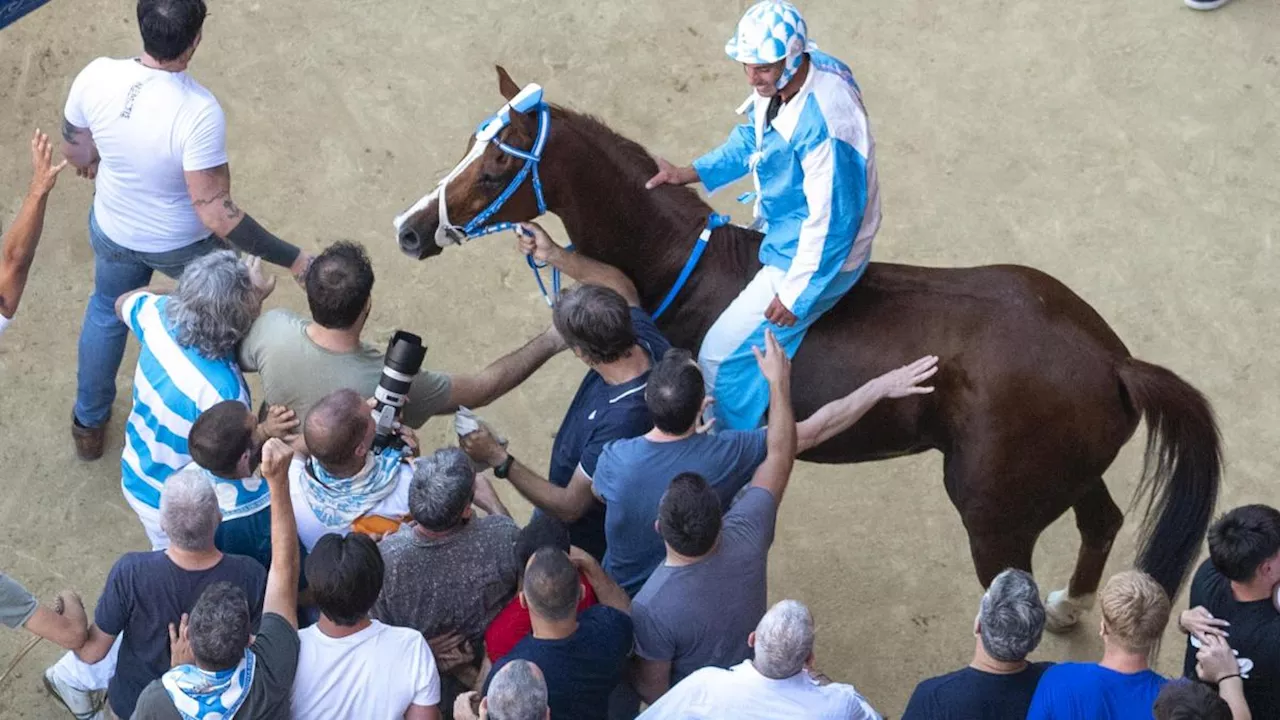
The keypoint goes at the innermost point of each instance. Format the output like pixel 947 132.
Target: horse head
pixel 476 186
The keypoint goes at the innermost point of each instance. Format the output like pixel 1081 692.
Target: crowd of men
pixel 305 566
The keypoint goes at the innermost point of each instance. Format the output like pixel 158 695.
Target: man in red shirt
pixel 512 623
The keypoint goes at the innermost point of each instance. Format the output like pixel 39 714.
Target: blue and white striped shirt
pixel 171 387
pixel 814 168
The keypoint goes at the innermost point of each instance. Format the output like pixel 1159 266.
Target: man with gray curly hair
pixel 999 683
pixel 779 682
pixel 146 597
pixel 186 365
pixel 451 572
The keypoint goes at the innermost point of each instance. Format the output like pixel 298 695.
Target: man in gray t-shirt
pixel 699 605
pixel 302 360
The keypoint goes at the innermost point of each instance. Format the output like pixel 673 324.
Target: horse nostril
pixel 410 242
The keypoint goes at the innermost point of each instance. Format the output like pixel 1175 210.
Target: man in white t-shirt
pixel 345 485
pixel 351 667
pixel 154 142
pixel 779 682
pixel 18 247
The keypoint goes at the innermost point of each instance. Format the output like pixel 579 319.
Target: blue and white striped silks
pixel 203 695
pixel 817 199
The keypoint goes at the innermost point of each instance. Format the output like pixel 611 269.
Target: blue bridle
pixel 487 133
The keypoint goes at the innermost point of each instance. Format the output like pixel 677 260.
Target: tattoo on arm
pixel 209 201
pixel 233 211
pixel 69 132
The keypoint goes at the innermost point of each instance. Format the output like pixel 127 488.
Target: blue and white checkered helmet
pixel 771 31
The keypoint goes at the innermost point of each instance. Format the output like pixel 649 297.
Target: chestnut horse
pixel 1035 394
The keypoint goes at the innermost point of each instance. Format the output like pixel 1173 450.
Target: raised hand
pixel 773 362
pixel 44 172
pixel 276 456
pixel 180 644
pixel 906 380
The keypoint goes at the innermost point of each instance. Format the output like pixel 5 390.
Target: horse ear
pixel 506 85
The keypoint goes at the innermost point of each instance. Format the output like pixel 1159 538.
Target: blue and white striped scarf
pixel 338 502
pixel 202 695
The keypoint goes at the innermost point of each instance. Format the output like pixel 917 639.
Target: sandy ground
pixel 1129 148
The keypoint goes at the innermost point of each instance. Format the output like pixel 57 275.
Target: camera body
pixel 405 353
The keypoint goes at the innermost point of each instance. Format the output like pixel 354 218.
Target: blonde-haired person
pixel 1135 611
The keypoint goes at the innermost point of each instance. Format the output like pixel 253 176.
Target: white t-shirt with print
pixel 373 674
pixel 310 529
pixel 150 126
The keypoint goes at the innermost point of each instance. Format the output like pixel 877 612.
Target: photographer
pixel 300 360
pixel 347 484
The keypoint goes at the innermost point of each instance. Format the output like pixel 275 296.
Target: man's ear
pixel 523 603
pixel 751 639
pixel 506 86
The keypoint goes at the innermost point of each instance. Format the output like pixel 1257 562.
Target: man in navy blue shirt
pixel 999 683
pixel 582 656
pixel 602 323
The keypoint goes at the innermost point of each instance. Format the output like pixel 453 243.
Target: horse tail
pixel 1181 473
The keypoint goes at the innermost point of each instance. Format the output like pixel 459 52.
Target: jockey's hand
pixel 778 314
pixel 533 241
pixel 669 174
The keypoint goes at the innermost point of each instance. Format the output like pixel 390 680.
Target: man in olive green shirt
pixel 301 361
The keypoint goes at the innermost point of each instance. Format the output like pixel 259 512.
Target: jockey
pixel 808 145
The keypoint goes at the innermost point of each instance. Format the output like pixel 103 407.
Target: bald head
pixel 336 428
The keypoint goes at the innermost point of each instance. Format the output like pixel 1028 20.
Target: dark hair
pixel 169 27
pixel 689 515
pixel 339 283
pixel 219 437
pixel 1184 699
pixel 542 531
pixel 345 576
pixel 675 392
pixel 595 321
pixel 551 585
pixel 219 626
pixel 1243 539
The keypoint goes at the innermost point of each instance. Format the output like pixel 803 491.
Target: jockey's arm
pixel 835 189
pixel 728 162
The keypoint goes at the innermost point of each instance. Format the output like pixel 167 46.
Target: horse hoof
pixel 1062 613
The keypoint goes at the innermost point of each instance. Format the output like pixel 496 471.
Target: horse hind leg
pixel 1098 519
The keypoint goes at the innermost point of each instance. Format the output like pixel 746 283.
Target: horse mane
pixel 631 158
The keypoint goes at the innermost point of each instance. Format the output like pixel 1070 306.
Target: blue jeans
pixel 116 271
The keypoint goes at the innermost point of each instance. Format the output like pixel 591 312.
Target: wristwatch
pixel 501 470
